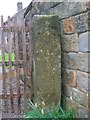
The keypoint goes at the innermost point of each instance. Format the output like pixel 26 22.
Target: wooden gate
pixel 16 64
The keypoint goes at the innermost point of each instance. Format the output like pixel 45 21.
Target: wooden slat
pixel 17 67
pixel 10 40
pixel 24 61
pixel 3 64
pixel 30 58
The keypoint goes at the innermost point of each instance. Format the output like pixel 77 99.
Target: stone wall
pixel 74 18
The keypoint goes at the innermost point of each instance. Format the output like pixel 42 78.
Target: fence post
pixel 3 65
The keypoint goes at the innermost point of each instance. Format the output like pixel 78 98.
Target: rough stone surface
pixel 88 5
pixel 67 90
pixel 82 80
pixel 82 112
pixel 69 60
pixel 84 45
pixel 80 97
pixel 70 43
pixel 89 20
pixel 89 82
pixel 67 9
pixel 49 12
pixel 69 103
pixel 81 22
pixel 60 10
pixel 83 61
pixel 47 58
pixel 47 5
pixel 69 26
pixel 69 77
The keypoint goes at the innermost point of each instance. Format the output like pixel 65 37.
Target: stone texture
pixel 47 6
pixel 76 7
pixel 84 45
pixel 89 20
pixel 47 58
pixel 69 60
pixel 69 77
pixel 81 22
pixel 82 80
pixel 88 5
pixel 69 103
pixel 66 90
pixel 70 43
pixel 83 61
pixel 66 9
pixel 69 26
pixel 53 4
pixel 82 112
pixel 89 62
pixel 49 12
pixel 80 97
pixel 60 10
pixel 41 7
pixel 89 81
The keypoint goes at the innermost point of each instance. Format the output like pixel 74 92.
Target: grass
pixel 44 110
pixel 7 57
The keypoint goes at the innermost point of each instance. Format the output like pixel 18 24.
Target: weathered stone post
pixel 47 58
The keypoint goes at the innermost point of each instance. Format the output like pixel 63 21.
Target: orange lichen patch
pixel 69 25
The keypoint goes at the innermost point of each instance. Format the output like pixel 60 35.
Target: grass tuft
pixel 44 110
pixel 7 57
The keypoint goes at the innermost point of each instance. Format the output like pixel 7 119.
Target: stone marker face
pixel 47 58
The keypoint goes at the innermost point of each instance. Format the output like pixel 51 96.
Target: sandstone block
pixel 77 7
pixel 89 81
pixel 47 58
pixel 61 9
pixel 69 77
pixel 83 61
pixel 47 6
pixel 84 45
pixel 69 26
pixel 66 90
pixel 88 5
pixel 89 20
pixel 66 9
pixel 80 97
pixel 70 43
pixel 69 60
pixel 81 22
pixel 82 80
